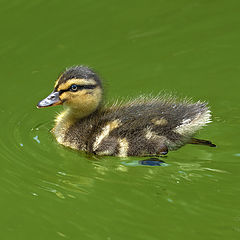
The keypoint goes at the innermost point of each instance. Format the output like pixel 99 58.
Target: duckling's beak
pixel 52 100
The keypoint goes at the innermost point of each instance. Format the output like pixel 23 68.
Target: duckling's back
pixel 142 127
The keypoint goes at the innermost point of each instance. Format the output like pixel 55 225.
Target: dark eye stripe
pixel 79 87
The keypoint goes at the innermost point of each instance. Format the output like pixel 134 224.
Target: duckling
pixel 145 126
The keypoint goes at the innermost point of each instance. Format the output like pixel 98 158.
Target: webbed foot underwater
pixel 145 126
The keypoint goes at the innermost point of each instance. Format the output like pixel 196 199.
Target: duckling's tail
pixel 201 142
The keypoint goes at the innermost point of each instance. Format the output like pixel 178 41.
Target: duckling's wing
pixel 174 121
pixel 182 117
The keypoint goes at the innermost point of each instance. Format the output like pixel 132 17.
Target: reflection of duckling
pixel 143 126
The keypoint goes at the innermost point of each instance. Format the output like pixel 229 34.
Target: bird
pixel 143 126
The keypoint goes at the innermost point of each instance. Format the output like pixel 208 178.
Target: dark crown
pixel 79 72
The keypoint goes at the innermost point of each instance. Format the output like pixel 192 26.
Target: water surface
pixel 187 47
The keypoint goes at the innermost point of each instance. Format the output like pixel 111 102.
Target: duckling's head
pixel 78 88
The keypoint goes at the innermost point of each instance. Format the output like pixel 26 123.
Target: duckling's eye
pixel 74 88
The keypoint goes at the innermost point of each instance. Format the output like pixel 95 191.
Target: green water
pixel 188 47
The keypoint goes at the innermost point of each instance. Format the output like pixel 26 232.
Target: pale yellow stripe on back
pixel 105 132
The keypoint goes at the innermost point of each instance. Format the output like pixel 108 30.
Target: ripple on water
pixel 20 147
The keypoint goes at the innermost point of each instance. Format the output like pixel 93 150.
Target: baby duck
pixel 141 127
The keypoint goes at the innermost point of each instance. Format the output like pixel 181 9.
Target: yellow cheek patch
pixel 66 85
pixel 80 99
pixel 65 95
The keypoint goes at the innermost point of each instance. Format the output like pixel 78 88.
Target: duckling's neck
pixel 76 113
pixel 70 115
pixel 66 119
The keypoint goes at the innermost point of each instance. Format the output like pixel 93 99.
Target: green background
pixel 188 47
